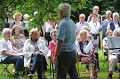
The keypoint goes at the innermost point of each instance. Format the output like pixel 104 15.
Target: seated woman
pixel 84 57
pixel 35 50
pixel 52 44
pixel 8 55
pixel 113 56
pixel 17 39
pixel 105 47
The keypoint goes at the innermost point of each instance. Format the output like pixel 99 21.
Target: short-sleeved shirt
pixel 5 45
pixel 79 26
pixel 66 33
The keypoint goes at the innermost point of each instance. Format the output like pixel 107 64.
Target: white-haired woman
pixel 106 22
pixel 35 50
pixel 115 23
pixel 88 58
pixel 7 54
pixel 105 47
pixel 113 56
pixel 17 21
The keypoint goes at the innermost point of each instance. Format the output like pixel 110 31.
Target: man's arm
pixel 58 48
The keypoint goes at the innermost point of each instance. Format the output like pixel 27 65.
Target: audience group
pixel 20 48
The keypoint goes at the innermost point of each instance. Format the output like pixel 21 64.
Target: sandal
pixel 91 77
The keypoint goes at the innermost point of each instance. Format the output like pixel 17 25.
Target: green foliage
pixel 47 8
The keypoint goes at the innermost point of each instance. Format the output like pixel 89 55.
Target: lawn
pixel 102 74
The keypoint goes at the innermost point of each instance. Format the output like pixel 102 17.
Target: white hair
pixel 82 32
pixel 81 15
pixel 26 16
pixel 84 28
pixel 65 8
pixel 108 12
pixel 116 32
pixel 6 30
pixel 115 14
pixel 53 31
pixel 95 7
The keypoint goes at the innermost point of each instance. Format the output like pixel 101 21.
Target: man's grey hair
pixel 82 15
pixel 65 8
pixel 6 30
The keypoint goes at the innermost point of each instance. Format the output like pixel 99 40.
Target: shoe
pixel 13 70
pixel 116 71
pixel 30 76
pixel 109 76
pixel 86 70
pixel 17 76
pixel 91 77
pixel 98 69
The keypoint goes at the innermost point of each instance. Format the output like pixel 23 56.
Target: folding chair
pixel 4 68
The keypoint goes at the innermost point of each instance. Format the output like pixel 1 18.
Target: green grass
pixel 102 74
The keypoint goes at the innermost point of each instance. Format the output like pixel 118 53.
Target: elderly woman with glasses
pixel 114 24
pixel 35 50
pixel 8 55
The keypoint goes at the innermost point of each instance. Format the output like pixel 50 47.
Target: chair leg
pixel 26 72
pixel 53 70
pixel 50 66
pixel 5 69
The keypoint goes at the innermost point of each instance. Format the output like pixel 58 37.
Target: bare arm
pixel 58 48
pixel 9 54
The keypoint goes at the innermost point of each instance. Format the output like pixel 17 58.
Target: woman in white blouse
pixel 88 58
pixel 7 54
pixel 35 50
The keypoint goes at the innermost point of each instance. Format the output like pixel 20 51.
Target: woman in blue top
pixel 106 22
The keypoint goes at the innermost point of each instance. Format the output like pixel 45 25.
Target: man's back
pixel 66 33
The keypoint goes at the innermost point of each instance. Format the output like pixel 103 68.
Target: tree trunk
pixel 3 23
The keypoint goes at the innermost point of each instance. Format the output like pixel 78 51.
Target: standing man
pixel 65 57
pixel 81 23
pixel 95 11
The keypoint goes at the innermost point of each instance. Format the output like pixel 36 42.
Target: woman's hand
pixel 95 45
pixel 88 56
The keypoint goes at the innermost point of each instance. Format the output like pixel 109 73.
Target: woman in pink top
pixel 52 44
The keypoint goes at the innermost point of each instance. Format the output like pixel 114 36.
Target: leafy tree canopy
pixel 47 8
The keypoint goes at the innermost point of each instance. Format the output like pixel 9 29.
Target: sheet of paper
pixel 88 47
pixel 96 30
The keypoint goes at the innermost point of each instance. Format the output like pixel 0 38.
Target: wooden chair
pixel 52 70
pixel 80 63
